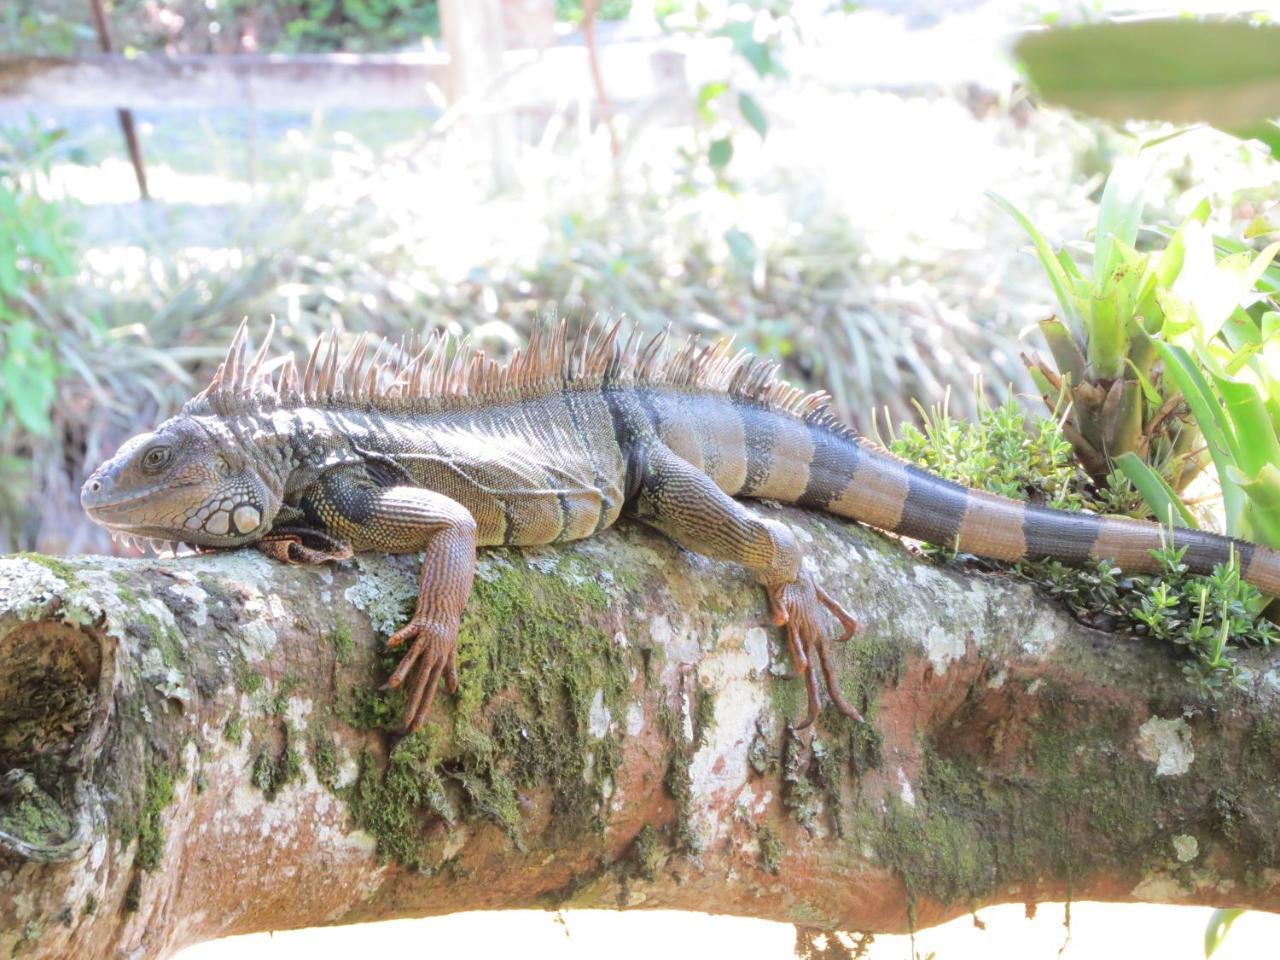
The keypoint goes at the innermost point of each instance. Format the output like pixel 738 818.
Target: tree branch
pixel 193 749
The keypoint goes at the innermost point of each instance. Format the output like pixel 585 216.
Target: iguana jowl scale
pixel 442 450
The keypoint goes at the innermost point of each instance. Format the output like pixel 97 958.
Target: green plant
pixel 37 253
pixel 998 452
pixel 1105 355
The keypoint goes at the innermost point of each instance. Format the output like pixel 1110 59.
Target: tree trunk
pixel 196 748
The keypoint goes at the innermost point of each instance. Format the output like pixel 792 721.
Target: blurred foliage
pixel 1225 73
pixel 1129 403
pixel 238 26
pixel 37 244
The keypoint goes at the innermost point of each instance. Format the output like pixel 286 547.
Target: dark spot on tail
pixel 1068 537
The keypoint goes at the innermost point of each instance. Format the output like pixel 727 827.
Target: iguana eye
pixel 155 458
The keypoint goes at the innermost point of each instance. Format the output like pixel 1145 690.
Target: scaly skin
pixel 443 451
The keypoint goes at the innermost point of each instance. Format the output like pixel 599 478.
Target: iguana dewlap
pixel 443 450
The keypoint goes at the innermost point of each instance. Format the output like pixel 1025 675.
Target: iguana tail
pixel 813 461
pixel 858 479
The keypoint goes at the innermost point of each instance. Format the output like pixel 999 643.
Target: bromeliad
pixel 441 450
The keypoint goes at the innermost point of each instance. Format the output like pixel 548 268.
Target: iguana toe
pixel 810 615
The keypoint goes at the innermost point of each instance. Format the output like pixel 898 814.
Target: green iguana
pixel 442 449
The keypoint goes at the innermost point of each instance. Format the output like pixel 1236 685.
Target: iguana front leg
pixel 406 520
pixel 685 504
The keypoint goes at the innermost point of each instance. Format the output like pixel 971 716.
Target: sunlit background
pixel 809 176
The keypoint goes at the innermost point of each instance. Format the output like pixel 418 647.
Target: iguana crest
pixel 447 371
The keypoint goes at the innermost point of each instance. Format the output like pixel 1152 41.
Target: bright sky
pixel 1098 932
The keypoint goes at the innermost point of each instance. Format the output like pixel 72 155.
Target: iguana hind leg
pixel 685 504
pixel 405 520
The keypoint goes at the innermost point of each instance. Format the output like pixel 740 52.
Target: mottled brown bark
pixel 188 754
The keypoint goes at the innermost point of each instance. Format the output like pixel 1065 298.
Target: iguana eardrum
pixel 442 449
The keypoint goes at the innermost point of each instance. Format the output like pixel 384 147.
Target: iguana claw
pixel 806 610
pixel 434 650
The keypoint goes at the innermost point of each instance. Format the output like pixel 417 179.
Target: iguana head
pixel 188 481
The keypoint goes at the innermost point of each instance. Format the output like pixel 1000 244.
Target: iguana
pixel 442 449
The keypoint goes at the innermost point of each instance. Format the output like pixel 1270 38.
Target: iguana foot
pixel 434 650
pixel 310 546
pixel 807 611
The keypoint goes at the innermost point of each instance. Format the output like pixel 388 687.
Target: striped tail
pixel 751 450
pixel 878 489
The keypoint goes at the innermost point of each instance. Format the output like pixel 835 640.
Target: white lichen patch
pixel 1167 744
pixel 905 790
pixel 598 717
pixel 385 590
pixel 490 565
pixel 635 718
pixel 1041 635
pixel 27 588
pixel 542 559
pixel 756 644
pixel 942 645
pixel 719 768
pixel 680 645
pixel 1185 847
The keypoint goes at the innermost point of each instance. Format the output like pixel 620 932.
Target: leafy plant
pixel 998 452
pixel 1104 344
pixel 37 238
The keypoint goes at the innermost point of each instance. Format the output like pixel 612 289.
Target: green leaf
pixel 1226 73
pixel 753 113
pixel 1266 132
pixel 755 52
pixel 1210 418
pixel 1119 212
pixel 1108 338
pixel 1262 519
pixel 1216 930
pixel 1165 505
pixel 708 93
pixel 720 153
pixel 1063 289
pixel 1253 438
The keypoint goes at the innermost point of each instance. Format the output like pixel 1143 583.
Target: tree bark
pixel 198 747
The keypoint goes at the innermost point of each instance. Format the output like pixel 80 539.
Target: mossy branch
pixel 199 747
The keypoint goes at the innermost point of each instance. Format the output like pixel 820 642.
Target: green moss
pixel 646 854
pixel 342 643
pixel 30 937
pixel 233 729
pixel 801 792
pixel 278 703
pixel 324 757
pixel 771 849
pixel 90 905
pixel 248 679
pixel 33 816
pixel 271 774
pixel 59 568
pixel 677 780
pixel 704 716
pixel 532 656
pixel 370 708
pixel 978 826
pixel 156 799
pixel 396 804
